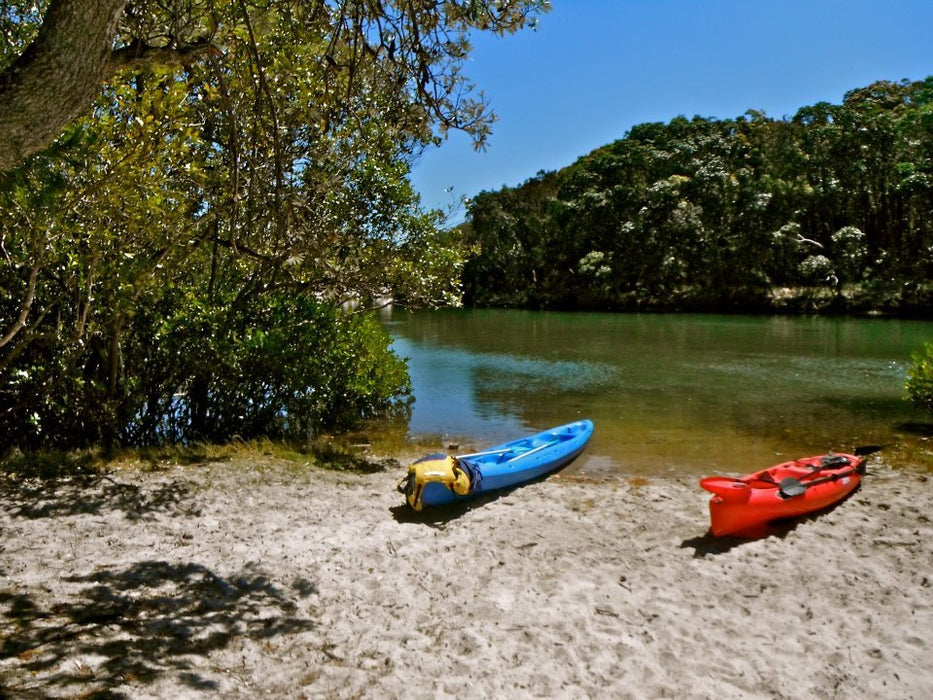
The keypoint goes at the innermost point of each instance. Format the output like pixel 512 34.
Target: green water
pixel 667 393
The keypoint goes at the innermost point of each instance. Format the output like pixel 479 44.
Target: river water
pixel 667 392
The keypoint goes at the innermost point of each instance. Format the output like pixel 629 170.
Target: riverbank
pixel 266 577
pixel 892 299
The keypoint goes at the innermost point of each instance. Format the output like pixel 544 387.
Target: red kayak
pixel 744 506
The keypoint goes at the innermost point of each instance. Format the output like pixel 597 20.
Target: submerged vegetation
pixel 830 210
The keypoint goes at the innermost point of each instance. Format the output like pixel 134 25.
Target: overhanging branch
pixel 139 55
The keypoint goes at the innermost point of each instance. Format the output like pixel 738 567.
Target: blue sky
pixel 595 68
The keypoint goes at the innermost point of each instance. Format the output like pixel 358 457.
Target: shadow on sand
pixel 440 516
pixel 93 494
pixel 138 622
pixel 710 545
pixel 127 623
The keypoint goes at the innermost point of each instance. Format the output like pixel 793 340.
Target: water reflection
pixel 667 392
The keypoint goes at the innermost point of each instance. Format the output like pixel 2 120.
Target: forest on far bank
pixel 830 210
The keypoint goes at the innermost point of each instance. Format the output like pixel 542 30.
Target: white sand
pixel 243 580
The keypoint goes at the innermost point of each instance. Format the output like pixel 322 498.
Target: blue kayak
pixel 439 479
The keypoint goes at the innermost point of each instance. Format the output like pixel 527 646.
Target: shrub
pixel 920 379
pixel 288 367
pixel 285 367
pixel 816 270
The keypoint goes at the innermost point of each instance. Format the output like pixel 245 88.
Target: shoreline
pixel 262 576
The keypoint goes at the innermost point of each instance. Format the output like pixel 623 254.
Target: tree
pixel 172 267
pixel 749 213
pixel 53 65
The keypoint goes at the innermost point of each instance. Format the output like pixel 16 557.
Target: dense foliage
pixel 920 379
pixel 54 55
pixel 831 209
pixel 179 264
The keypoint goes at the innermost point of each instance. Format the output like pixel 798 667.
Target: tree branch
pixel 139 55
pixel 24 309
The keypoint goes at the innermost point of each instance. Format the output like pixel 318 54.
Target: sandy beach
pixel 249 578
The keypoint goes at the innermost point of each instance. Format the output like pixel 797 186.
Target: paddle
pixel 791 487
pixel 486 453
pixel 794 487
pixel 508 449
pixel 828 462
pixel 531 452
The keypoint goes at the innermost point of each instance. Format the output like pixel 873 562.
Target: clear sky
pixel 595 68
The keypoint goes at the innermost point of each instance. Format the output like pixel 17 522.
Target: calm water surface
pixel 667 392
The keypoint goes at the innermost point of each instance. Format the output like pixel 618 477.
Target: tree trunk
pixel 57 77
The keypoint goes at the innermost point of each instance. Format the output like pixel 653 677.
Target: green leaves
pixel 280 367
pixel 829 207
pixel 172 268
pixel 920 379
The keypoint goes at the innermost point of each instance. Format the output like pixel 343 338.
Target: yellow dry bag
pixel 438 468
